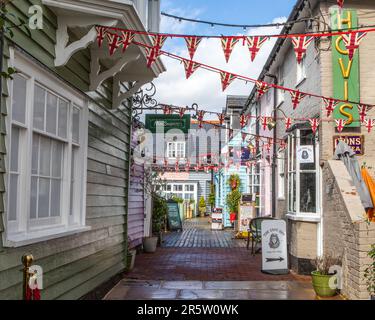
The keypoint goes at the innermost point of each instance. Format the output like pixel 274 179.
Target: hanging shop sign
pixel 274 247
pixel 155 122
pixel 174 218
pixel 305 154
pixel 356 142
pixel 345 69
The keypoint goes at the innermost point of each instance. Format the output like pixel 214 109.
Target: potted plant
pixel 324 281
pixel 234 197
pixel 370 273
pixel 202 207
pixel 130 258
pixel 159 216
pixel 212 197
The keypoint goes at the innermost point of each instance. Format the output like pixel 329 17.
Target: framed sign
pixel 355 141
pixel 245 216
pixel 174 218
pixel 274 247
pixel 305 154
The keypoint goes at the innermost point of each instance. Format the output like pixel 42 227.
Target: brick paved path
pixel 197 233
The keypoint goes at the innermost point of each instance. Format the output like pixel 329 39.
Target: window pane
pixel 75 125
pixel 35 154
pixel 33 197
pixel 45 156
pixel 14 149
pixel 308 192
pixel 63 119
pixel 72 184
pixel 57 159
pixel 55 198
pixel 39 104
pixel 13 192
pixel 19 99
pixel 51 122
pixel 44 196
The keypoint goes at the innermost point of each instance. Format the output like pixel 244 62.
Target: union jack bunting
pixel 314 124
pixel 267 147
pixel 243 120
pixel 190 67
pixel 228 44
pixel 363 109
pixel 262 88
pixel 167 110
pixel 127 39
pixel 340 124
pixel 249 164
pixel 221 117
pixel 216 169
pixel 352 41
pixel 154 52
pixel 187 167
pixel 300 46
pixel 101 35
pixel 196 168
pixel 226 79
pixel 340 3
pixel 114 42
pixel 297 97
pixel 177 166
pixel 265 121
pixel 181 112
pixel 369 124
pixel 283 145
pixel 200 116
pixel 192 45
pixel 254 44
pixel 330 105
pixel 288 123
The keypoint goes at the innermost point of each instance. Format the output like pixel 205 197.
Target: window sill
pixel 21 240
pixel 303 218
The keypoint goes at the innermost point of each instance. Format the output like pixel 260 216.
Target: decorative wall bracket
pixel 64 50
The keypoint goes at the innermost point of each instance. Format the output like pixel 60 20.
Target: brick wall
pixel 345 230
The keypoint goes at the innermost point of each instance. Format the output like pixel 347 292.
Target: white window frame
pixel 294 143
pixel 170 193
pixel 255 183
pixel 301 74
pixel 173 146
pixel 23 231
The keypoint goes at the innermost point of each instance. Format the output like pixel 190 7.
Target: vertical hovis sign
pixel 274 247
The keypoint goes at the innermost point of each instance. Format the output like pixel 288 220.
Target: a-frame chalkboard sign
pixel 174 218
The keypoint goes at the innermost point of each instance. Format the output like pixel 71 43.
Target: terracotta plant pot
pixel 150 244
pixel 321 284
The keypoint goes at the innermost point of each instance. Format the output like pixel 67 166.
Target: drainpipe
pixel 274 155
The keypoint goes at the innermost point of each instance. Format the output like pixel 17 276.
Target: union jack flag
pixel 114 42
pixel 181 112
pixel 154 52
pixel 330 105
pixel 249 164
pixel 297 97
pixel 265 121
pixel 254 44
pixel 300 46
pixel 200 116
pixel 352 41
pixel 243 120
pixel 340 3
pixel 226 79
pixel 221 117
pixel 340 124
pixel 283 145
pixel 228 44
pixel 288 123
pixel 192 45
pixel 363 109
pixel 187 167
pixel 177 166
pixel 262 88
pixel 369 124
pixel 101 35
pixel 167 110
pixel 267 147
pixel 127 39
pixel 190 67
pixel 314 124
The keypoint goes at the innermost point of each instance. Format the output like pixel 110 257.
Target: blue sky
pixel 204 87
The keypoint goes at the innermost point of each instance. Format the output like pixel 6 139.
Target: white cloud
pixel 204 87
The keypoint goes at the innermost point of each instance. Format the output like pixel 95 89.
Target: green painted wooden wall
pixel 75 265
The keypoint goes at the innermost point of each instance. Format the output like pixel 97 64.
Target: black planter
pixel 372 297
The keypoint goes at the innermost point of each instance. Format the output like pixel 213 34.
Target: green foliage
pixel 212 196
pixel 233 201
pixel 202 205
pixel 159 214
pixel 178 200
pixel 370 272
pixel 234 179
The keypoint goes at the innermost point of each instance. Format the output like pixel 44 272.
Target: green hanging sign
pixel 155 122
pixel 345 72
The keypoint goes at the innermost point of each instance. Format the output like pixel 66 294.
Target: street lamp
pixel 273 123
